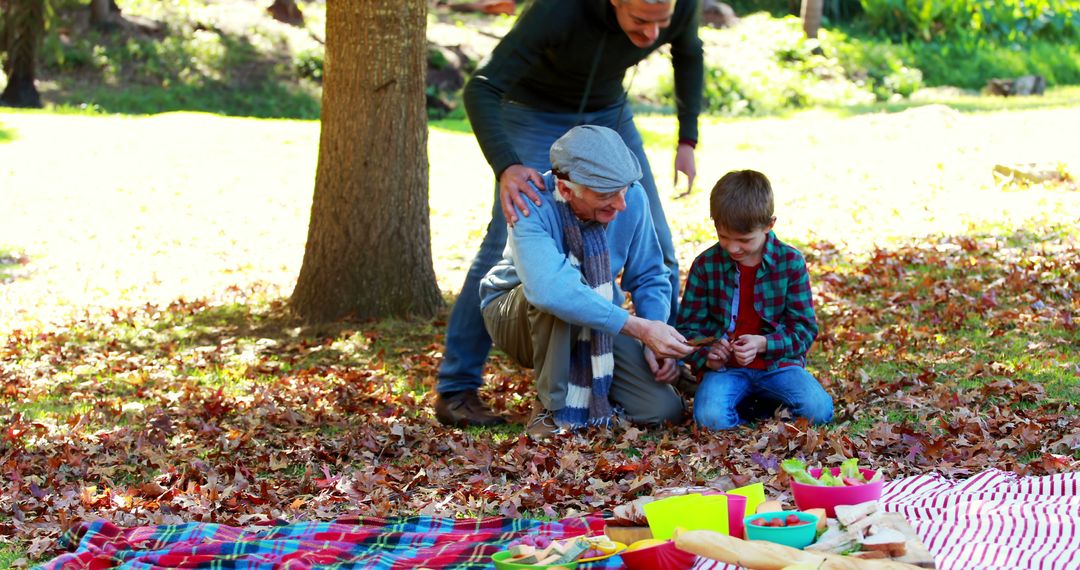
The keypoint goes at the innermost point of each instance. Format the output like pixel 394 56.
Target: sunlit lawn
pixel 158 207
pixel 191 206
pixel 161 247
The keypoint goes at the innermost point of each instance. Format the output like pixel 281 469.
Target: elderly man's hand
pixel 662 339
pixel 513 182
pixel 665 370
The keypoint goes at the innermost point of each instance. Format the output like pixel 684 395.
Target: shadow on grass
pixel 957 309
pixel 970 309
pixel 273 334
pixel 6 135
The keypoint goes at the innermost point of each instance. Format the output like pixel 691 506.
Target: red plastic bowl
pixel 660 557
pixel 816 497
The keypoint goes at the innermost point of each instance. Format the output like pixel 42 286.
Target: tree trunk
pixel 368 253
pixel 811 16
pixel 23 28
pixel 286 11
pixel 101 13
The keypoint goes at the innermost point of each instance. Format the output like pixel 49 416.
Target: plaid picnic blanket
pixel 995 520
pixel 374 543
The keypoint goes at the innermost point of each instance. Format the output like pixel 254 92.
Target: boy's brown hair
pixel 742 201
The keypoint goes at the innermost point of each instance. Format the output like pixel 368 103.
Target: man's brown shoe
pixel 541 423
pixel 460 409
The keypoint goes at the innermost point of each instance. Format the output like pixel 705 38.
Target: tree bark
pixel 811 16
pixel 368 253
pixel 23 28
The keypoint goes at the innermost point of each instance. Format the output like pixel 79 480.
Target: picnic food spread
pixel 840 524
pixel 541 551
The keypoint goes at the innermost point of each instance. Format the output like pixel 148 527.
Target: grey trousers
pixel 542 342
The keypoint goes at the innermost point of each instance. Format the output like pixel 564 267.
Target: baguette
pixel 762 555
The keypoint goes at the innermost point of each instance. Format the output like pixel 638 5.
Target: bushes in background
pixel 766 65
pixel 994 21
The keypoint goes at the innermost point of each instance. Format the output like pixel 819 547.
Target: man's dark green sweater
pixel 545 59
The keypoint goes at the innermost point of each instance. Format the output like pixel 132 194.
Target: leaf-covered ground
pixel 948 353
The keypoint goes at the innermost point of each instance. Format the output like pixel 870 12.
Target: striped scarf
pixel 591 361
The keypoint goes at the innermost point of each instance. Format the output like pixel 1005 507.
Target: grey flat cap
pixel 595 157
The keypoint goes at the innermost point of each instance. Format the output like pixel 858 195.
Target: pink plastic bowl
pixel 660 557
pixel 815 497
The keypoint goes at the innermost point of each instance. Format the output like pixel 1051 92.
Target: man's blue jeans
pixel 532 133
pixel 721 391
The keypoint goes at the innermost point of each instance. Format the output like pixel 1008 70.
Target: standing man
pixel 561 65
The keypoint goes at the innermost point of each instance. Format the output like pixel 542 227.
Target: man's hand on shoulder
pixel 513 182
pixel 662 339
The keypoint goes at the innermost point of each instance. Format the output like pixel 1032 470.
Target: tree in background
pixel 20 39
pixel 103 13
pixel 286 11
pixel 811 16
pixel 368 251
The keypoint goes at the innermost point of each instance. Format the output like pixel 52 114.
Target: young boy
pixel 752 293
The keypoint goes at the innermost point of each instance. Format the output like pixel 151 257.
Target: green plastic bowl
pixel 499 558
pixel 798 536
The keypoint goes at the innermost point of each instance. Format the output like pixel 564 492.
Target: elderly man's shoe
pixel 687 384
pixel 460 409
pixel 541 424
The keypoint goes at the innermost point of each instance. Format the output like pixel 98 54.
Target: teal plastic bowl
pixel 501 563
pixel 795 536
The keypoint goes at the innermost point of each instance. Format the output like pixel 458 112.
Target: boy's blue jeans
pixel 532 132
pixel 721 391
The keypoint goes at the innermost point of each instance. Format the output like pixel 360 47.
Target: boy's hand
pixel 747 347
pixel 719 354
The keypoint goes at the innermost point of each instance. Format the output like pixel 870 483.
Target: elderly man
pixel 562 65
pixel 552 303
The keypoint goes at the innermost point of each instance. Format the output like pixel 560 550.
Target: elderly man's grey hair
pixel 574 187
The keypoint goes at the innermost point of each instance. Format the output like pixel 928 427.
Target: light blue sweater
pixel 536 258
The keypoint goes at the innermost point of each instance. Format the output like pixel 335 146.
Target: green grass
pixel 264 100
pixel 193 56
pixel 8 263
pixel 970 102
pixel 9 554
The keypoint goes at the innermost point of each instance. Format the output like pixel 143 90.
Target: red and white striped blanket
pixel 992 521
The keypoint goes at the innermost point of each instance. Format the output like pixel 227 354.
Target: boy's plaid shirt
pixel 782 298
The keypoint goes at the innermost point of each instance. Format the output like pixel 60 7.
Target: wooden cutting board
pixel 917 553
